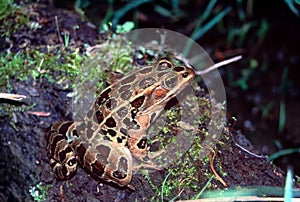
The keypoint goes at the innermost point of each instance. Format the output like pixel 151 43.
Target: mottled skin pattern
pixel 113 133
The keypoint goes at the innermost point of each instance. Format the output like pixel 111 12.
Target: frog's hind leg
pixel 62 157
pixel 106 160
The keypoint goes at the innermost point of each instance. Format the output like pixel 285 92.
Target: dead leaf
pixel 14 97
pixel 39 113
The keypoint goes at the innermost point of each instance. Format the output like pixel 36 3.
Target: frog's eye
pixel 185 74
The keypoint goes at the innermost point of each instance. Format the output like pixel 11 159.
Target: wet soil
pixel 23 160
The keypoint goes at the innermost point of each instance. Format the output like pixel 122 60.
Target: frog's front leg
pixel 137 144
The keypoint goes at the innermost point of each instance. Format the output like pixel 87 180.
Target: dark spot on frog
pixel 138 102
pixel 98 117
pixel 81 150
pixel 57 139
pixel 133 113
pixel 65 126
pixel 171 82
pixel 63 153
pixel 89 133
pixel 119 139
pixel 128 79
pixel 103 97
pixel 178 68
pixel 90 114
pixel 89 124
pixel 111 132
pixel 146 70
pixel 131 124
pixel 122 112
pixel 110 122
pixel 74 133
pixel 111 103
pixel 126 95
pixel 147 82
pixel 123 131
pixel 64 172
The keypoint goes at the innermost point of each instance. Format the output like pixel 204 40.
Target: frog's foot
pixel 142 165
pixel 148 161
pixel 186 126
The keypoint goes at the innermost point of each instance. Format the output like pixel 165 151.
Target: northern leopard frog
pixel 113 133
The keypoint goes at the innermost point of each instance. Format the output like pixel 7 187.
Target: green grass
pixel 6 8
pixel 39 192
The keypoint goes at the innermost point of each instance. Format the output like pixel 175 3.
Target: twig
pixel 219 64
pixel 14 97
pixel 211 162
pixel 58 31
pixel 251 153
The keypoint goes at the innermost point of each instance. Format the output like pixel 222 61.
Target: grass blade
pixel 121 12
pixel 288 188
pixel 200 32
pixel 283 152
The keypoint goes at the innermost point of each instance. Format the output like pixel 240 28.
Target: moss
pixel 15 18
pixel 39 192
pixel 6 8
pixel 37 64
pixel 191 170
